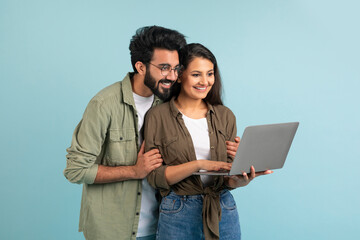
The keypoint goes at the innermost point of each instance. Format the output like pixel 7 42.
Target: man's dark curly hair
pixel 146 39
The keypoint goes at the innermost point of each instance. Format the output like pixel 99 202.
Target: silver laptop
pixel 263 146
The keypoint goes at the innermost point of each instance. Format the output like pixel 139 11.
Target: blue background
pixel 280 61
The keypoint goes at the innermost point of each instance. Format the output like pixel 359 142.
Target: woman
pixel 192 127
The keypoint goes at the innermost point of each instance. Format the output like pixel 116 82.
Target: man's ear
pixel 141 68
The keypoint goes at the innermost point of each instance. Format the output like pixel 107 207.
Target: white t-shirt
pixel 199 131
pixel 149 204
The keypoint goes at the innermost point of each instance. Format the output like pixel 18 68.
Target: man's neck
pixel 138 86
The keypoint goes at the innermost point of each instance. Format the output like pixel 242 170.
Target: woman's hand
pixel 231 147
pixel 244 179
pixel 213 165
pixel 175 174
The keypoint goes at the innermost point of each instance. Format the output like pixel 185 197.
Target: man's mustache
pixel 166 81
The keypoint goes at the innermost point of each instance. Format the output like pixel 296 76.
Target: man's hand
pixel 244 179
pixel 146 162
pixel 232 146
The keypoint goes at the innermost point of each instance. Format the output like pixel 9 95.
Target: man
pixel 106 154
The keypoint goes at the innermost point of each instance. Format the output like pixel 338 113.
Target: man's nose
pixel 172 76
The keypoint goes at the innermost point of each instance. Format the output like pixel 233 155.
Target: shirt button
pixel 133 233
pixel 136 115
pixel 121 138
pixel 139 193
pixel 212 147
pixel 137 213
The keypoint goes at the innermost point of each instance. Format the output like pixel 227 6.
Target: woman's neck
pixel 192 108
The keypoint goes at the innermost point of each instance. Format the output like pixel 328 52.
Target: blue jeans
pixel 181 218
pixel 151 237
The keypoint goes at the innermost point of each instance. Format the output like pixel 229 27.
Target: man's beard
pixel 150 82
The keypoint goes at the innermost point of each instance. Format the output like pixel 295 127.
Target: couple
pixel 120 170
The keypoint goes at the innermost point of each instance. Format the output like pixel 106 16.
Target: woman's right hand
pixel 177 173
pixel 213 165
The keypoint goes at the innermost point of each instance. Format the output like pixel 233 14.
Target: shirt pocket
pixel 122 149
pixel 222 135
pixel 168 149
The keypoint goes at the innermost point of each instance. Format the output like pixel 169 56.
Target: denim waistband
pixel 198 196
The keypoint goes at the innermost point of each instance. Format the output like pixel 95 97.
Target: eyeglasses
pixel 166 69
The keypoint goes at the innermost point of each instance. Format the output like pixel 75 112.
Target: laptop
pixel 263 146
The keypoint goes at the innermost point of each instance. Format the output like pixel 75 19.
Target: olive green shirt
pixel 107 135
pixel 165 129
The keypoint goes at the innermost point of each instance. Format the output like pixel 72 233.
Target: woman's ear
pixel 140 67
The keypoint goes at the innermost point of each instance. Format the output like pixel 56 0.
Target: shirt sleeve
pixel 156 178
pixel 87 141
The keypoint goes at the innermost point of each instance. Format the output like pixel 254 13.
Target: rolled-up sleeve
pixel 156 178
pixel 86 145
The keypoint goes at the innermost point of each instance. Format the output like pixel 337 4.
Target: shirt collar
pixel 127 90
pixel 174 110
pixel 211 108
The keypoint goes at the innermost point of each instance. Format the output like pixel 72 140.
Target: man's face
pixel 161 85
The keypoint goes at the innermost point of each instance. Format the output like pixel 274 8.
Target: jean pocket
pixel 170 204
pixel 227 201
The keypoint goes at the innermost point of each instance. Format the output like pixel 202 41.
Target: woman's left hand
pixel 236 181
pixel 231 147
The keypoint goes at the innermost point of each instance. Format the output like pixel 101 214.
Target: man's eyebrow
pixel 167 64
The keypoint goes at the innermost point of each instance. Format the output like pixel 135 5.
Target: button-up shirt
pixel 107 135
pixel 165 129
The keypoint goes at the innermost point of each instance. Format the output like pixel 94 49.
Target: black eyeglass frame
pixel 167 68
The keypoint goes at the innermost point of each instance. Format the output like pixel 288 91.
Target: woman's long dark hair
pixel 187 54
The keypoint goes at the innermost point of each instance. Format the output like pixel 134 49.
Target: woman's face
pixel 197 79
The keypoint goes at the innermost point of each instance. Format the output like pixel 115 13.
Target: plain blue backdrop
pixel 281 60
